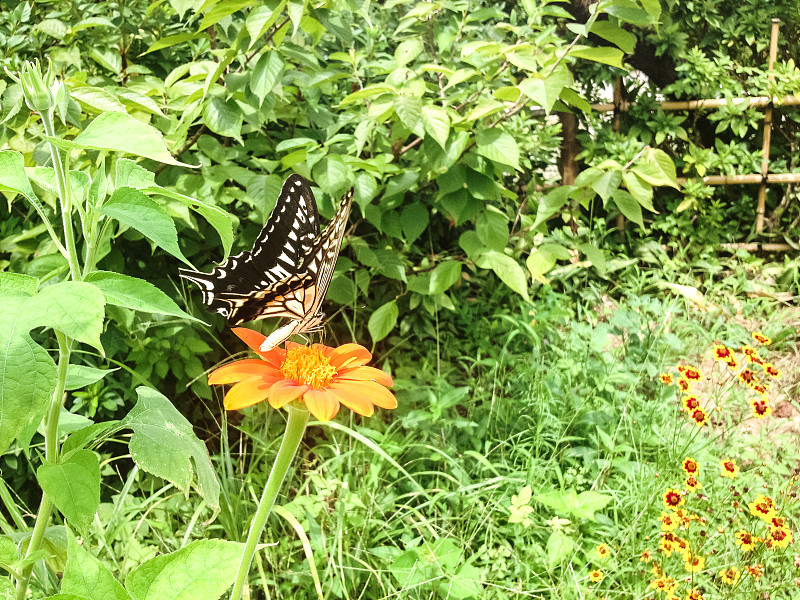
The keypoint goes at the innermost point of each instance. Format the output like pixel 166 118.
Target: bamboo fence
pixel 619 105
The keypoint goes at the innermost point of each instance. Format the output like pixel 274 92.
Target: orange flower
pixel 746 540
pixel 749 352
pixel 761 338
pixel 596 575
pixel 319 376
pixel 761 407
pixel 690 466
pixel 763 507
pixel 730 576
pixel 699 416
pixel 755 571
pixel 770 370
pixel 646 556
pixel 673 498
pixel 695 564
pixel 690 403
pixel 666 378
pixel 729 468
pixel 760 388
pixel 684 385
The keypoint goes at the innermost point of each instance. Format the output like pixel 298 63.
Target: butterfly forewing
pixel 287 273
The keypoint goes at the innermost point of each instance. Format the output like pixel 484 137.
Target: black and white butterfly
pixel 288 271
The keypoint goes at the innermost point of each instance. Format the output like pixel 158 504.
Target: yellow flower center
pixel 308 366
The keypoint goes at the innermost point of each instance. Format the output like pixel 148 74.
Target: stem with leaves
pixel 295 427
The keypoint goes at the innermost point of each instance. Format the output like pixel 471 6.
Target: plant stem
pixel 295 427
pixel 51 457
pixel 64 194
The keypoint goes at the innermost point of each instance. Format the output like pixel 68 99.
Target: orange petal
pixel 284 391
pixel 321 404
pixel 241 369
pixel 246 393
pixel 365 374
pixel 355 402
pixel 349 355
pixel 254 340
pixel 375 393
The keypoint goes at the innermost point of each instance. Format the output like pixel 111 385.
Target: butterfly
pixel 288 271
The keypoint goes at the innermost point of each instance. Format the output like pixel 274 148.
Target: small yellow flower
pixel 690 466
pixel 690 403
pixel 763 507
pixel 666 378
pixel 745 540
pixel 596 575
pixel 684 385
pixel 729 468
pixel 699 416
pixel 761 407
pixel 694 594
pixel 722 353
pixel 692 484
pixel 602 551
pixel 695 564
pixel 673 498
pixel 692 374
pixel 770 370
pixel 779 537
pixel 748 377
pixel 646 556
pixel 761 338
pixel 668 521
pixel 730 576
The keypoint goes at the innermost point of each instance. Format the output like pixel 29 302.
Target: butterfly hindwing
pixel 287 273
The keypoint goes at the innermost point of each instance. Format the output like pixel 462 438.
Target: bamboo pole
pixel 739 179
pixel 617 124
pixel 762 190
pixel 705 104
pixel 754 247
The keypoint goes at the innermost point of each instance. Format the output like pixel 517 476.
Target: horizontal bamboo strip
pixel 739 179
pixel 709 103
pixel 753 247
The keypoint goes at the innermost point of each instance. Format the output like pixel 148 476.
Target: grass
pixel 417 503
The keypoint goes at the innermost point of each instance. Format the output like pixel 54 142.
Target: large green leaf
pixel 545 90
pixel 120 132
pixel 382 321
pixel 164 444
pixel 223 117
pixel 74 486
pixel 437 123
pixel 628 206
pixel 134 209
pixel 266 74
pixel 27 373
pixel 498 146
pixel 130 174
pixel 136 294
pixel 408 109
pixel 203 570
pixel 507 269
pixel 414 220
pixel 87 577
pixel 603 54
pixel 444 276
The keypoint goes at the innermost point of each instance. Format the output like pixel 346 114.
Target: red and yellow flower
pixel 748 377
pixel 668 521
pixel 320 377
pixel 690 403
pixel 695 564
pixel 770 370
pixel 684 385
pixel 666 378
pixel 690 466
pixel 761 338
pixel 729 468
pixel 755 571
pixel 699 416
pixel 761 407
pixel 692 483
pixel 692 374
pixel 745 540
pixel 778 537
pixel 730 576
pixel 673 498
pixel 763 507
pixel 695 594
pixel 722 353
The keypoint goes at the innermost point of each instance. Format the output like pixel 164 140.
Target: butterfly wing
pixel 277 255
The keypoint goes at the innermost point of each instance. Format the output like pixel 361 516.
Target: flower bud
pixel 37 87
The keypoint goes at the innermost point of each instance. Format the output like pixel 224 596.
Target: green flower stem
pixel 64 193
pixel 295 427
pixel 51 456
